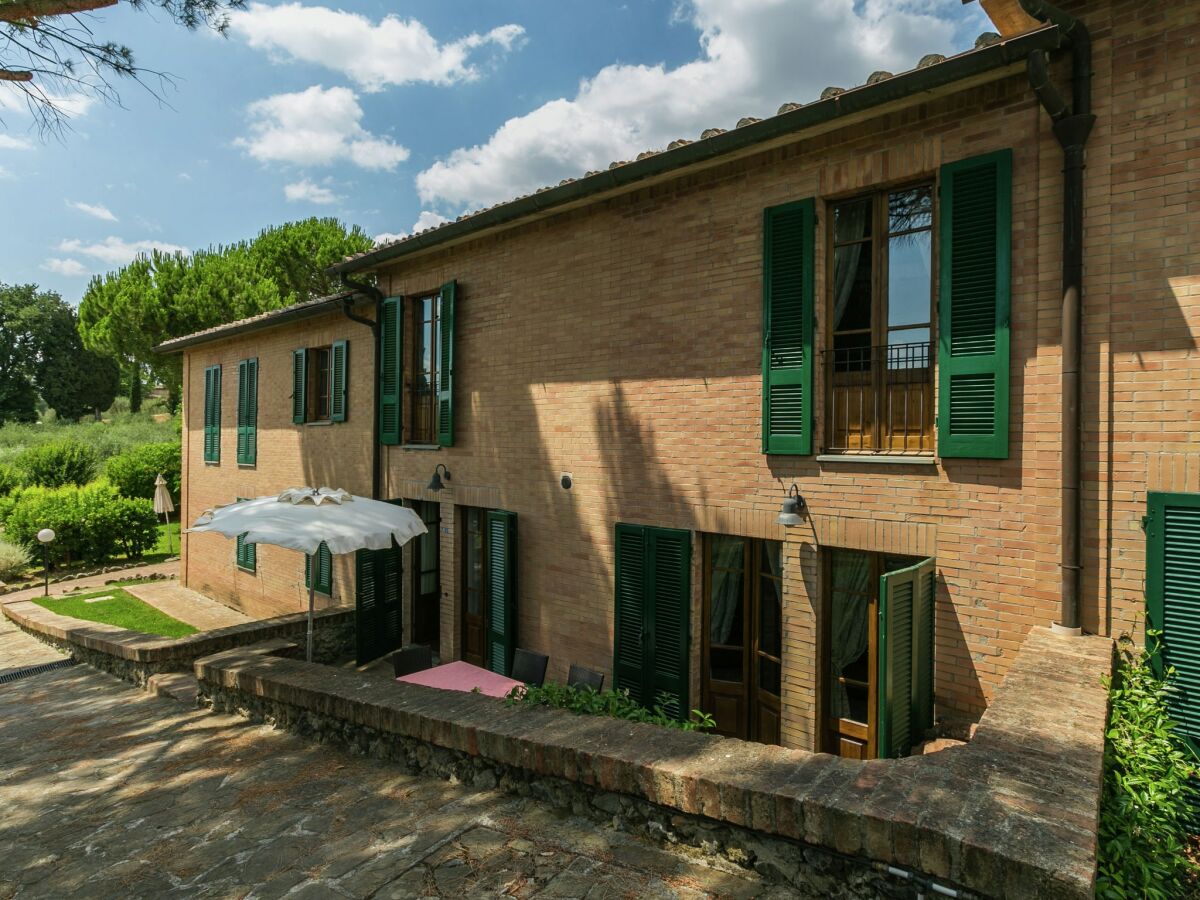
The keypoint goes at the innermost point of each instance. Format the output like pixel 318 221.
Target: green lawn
pixel 124 610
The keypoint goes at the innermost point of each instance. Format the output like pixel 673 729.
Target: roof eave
pixel 594 187
pixel 298 313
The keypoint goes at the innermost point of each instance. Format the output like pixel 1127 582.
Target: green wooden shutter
pixel 445 423
pixel 299 386
pixel 324 565
pixel 339 361
pixel 902 705
pixel 923 644
pixel 212 414
pixel 1173 602
pixel 501 589
pixel 974 280
pixel 787 360
pixel 247 412
pixel 651 633
pixel 391 376
pixel 671 568
pixel 366 604
pixel 630 626
pixel 246 554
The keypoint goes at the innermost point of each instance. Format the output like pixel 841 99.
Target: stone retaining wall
pixel 135 656
pixel 1013 813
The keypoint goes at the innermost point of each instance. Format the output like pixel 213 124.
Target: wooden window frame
pixel 464 572
pixel 312 411
pixel 880 329
pixel 412 367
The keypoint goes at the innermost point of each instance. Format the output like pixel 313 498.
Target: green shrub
pixel 10 480
pixel 133 472
pixel 58 463
pixel 614 704
pixel 91 523
pixel 1149 787
pixel 14 560
pixel 117 433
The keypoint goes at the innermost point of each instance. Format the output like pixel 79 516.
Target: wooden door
pixel 474 579
pixel 767 659
pixel 427 578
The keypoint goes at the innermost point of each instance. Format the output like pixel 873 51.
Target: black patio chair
pixel 529 667
pixel 579 677
pixel 413 658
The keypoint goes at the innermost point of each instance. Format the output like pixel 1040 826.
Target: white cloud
pixel 116 251
pixel 14 99
pixel 72 268
pixel 8 142
pixel 374 55
pixel 427 219
pixel 317 127
pixel 97 210
pixel 307 191
pixel 754 55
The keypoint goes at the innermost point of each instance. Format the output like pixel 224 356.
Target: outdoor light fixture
pixel 793 506
pixel 45 536
pixel 435 483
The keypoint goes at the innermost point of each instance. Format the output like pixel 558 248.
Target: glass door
pixel 474 580
pixel 427 577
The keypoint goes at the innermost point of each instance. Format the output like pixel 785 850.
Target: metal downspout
pixel 377 295
pixel 1072 123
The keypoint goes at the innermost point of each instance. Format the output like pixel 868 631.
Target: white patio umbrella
pixel 304 518
pixel 163 506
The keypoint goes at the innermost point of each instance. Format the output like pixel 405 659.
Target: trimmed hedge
pixel 133 472
pixel 91 523
pixel 58 463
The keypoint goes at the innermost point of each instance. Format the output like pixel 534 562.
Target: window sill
pixel 319 422
pixel 247 571
pixel 247 465
pixel 212 462
pixel 420 447
pixel 881 459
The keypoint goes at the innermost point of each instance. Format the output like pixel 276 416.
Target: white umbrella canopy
pixel 163 505
pixel 304 518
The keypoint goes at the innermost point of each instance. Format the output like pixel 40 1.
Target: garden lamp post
pixel 45 536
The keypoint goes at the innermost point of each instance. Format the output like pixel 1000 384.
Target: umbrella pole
pixel 312 590
pixel 167 516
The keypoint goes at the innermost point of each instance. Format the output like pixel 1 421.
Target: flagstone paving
pixel 201 612
pixel 20 651
pixel 111 792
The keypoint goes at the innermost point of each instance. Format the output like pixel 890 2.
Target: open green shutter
pixel 322 562
pixel 787 361
pixel 903 678
pixel 247 412
pixel 670 553
pixel 501 589
pixel 241 412
pixel 1173 602
pixel 339 359
pixel 299 386
pixel 246 554
pixel 445 424
pixel 974 280
pixel 212 414
pixel 391 360
pixel 366 604
pixel 630 625
pixel 208 407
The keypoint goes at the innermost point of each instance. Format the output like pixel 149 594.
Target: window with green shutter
pixel 445 374
pixel 652 613
pixel 378 602
pixel 339 397
pixel 1173 601
pixel 391 369
pixel 501 537
pixel 212 414
pixel 905 648
pixel 299 386
pixel 323 563
pixel 246 554
pixel 974 279
pixel 247 412
pixel 787 360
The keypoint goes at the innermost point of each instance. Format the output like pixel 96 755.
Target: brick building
pixel 858 301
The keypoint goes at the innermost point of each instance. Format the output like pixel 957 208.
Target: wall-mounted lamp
pixel 435 483
pixel 793 508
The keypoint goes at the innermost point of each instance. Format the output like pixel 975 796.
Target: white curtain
pixel 851 620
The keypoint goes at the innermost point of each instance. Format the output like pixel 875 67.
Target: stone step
pixel 175 685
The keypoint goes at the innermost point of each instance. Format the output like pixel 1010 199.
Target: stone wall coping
pixel 1012 813
pixel 136 646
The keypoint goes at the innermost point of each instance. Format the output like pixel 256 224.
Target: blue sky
pixel 394 115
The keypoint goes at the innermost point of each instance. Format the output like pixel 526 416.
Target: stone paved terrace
pixel 20 651
pixel 201 612
pixel 110 792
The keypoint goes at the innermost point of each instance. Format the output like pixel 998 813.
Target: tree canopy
pixel 159 296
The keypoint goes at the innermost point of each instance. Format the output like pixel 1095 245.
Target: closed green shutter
pixel 391 376
pixel 324 566
pixel 902 680
pixel 501 589
pixel 1173 602
pixel 651 632
pixel 923 644
pixel 246 554
pixel 974 281
pixel 787 360
pixel 299 386
pixel 377 603
pixel 445 423
pixel 212 414
pixel 339 360
pixel 247 412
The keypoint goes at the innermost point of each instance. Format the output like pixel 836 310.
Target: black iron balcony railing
pixel 879 399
